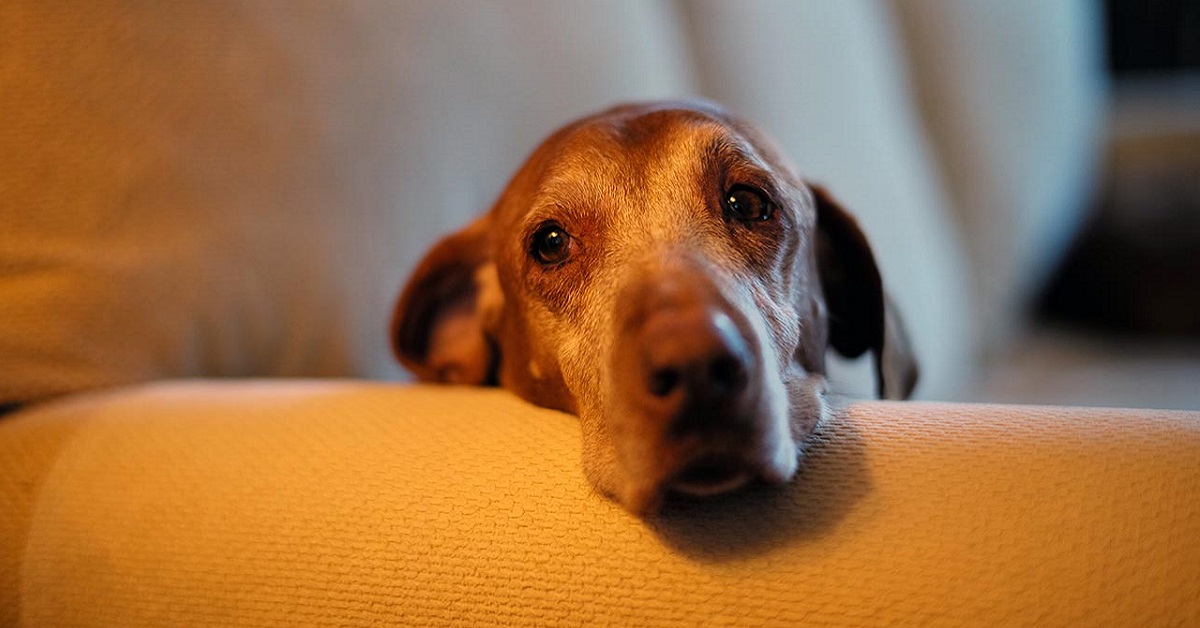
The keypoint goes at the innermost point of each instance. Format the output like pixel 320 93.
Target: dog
pixel 660 271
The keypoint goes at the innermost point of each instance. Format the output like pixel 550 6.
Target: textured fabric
pixel 232 188
pixel 354 504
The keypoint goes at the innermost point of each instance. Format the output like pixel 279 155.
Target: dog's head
pixel 660 271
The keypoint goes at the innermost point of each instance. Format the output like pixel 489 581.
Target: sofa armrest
pixel 361 504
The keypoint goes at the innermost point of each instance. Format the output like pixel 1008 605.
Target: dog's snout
pixel 693 355
pixel 701 412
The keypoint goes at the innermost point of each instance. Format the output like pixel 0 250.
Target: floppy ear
pixel 861 316
pixel 440 326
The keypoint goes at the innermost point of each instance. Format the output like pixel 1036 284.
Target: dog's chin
pixel 709 476
pixel 638 462
pixel 640 486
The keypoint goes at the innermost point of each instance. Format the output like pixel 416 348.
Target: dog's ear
pixel 440 326
pixel 861 316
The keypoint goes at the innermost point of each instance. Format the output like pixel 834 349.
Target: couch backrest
pixel 234 189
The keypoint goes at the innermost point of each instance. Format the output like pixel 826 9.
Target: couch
pixel 207 209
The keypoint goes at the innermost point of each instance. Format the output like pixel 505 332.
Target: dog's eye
pixel 551 244
pixel 746 204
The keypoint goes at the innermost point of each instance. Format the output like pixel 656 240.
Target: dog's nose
pixel 693 358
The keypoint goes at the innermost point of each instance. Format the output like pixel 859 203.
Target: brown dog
pixel 660 271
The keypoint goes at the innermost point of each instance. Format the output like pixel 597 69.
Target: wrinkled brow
pixel 737 162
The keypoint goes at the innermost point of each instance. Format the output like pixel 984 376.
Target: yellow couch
pixel 345 503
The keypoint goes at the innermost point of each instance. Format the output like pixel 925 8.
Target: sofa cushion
pixel 353 504
pixel 239 188
pixel 1015 98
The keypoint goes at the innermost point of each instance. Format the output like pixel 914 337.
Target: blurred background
pixel 240 187
pixel 1118 320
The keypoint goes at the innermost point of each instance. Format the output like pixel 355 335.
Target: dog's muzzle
pixel 694 379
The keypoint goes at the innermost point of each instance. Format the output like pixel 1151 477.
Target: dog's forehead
pixel 642 148
pixel 657 153
pixel 658 140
